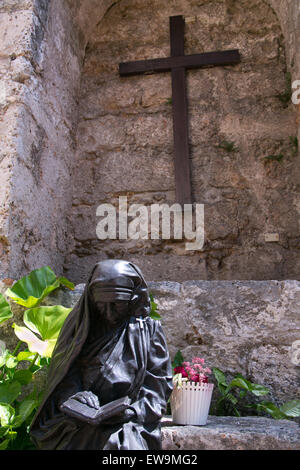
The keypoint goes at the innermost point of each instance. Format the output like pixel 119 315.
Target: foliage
pixel 19 396
pixel 5 311
pixel 228 146
pixel 154 313
pixel 231 394
pixel 32 289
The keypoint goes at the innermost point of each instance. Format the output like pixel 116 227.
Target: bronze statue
pixel 110 375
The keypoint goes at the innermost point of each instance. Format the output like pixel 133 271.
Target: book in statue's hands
pixel 83 412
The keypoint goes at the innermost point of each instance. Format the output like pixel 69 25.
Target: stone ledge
pixel 230 433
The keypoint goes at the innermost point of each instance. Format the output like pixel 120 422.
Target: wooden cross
pixel 177 64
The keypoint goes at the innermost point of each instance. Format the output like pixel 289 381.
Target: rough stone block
pixel 228 433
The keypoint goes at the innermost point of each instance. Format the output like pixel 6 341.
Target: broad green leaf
pixel 32 289
pixel 26 408
pixel 7 414
pixel 270 408
pixel 155 315
pixel 3 431
pixel 5 311
pixel 65 282
pixel 24 376
pixel 256 389
pixel 291 408
pixel 178 359
pixel 9 391
pixel 4 444
pixel 232 398
pixel 220 377
pixel 239 382
pixel 25 356
pixel 46 321
pixel 44 348
pixel 11 361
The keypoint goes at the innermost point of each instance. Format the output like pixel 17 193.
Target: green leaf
pixel 4 444
pixel 35 344
pixel 65 282
pixel 291 408
pixel 7 414
pixel 239 382
pixel 154 313
pixel 26 408
pixel 270 408
pixel 25 356
pixel 11 361
pixel 178 359
pixel 24 376
pixel 32 289
pixel 220 377
pixel 46 321
pixel 256 389
pixel 9 391
pixel 5 311
pixel 232 398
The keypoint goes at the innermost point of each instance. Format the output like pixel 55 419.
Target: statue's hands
pixel 88 398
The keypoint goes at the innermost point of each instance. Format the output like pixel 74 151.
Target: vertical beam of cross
pixel 180 115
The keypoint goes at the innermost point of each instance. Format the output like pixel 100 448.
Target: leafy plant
pixel 278 158
pixel 19 396
pixel 154 313
pixel 5 311
pixel 229 401
pixel 228 146
pixel 32 289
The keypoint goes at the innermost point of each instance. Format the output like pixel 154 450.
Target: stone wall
pixel 126 124
pixel 125 141
pixel 42 46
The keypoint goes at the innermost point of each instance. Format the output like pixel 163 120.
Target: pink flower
pixel 198 360
pixel 195 378
pixel 203 379
pixel 207 370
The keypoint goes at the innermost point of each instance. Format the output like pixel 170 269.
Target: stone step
pixel 231 433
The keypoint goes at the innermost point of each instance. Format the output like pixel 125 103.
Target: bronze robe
pixel 132 360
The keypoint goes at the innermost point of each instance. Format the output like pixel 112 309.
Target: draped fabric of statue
pixel 126 355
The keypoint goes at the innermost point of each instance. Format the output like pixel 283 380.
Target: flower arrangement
pixel 194 371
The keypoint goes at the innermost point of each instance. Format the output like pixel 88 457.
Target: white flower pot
pixel 190 403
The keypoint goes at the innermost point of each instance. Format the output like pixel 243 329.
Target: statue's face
pixel 113 312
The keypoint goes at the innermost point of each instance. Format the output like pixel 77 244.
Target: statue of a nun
pixel 108 348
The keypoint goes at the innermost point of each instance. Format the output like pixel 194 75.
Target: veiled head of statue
pixel 120 284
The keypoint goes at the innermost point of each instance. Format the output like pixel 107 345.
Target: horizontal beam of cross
pixel 186 61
